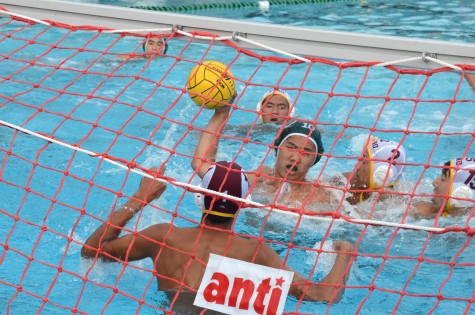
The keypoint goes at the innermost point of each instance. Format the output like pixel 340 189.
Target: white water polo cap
pixel 162 39
pixel 462 176
pixel 227 178
pixel 272 92
pixel 387 162
pixel 303 129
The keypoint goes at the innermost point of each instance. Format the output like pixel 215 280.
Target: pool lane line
pixel 263 5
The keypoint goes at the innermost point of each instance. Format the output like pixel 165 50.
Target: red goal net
pixel 87 112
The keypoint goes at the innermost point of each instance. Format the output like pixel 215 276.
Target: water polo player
pixel 382 166
pixel 454 190
pixel 298 148
pixel 154 46
pixel 178 273
pixel 227 178
pixel 274 107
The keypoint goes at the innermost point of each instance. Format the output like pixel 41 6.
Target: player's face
pixel 361 177
pixel 295 157
pixel 154 46
pixel 441 187
pixel 274 106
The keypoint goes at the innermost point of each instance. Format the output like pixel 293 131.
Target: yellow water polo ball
pixel 210 84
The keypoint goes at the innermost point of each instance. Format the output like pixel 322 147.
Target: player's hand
pixel 231 101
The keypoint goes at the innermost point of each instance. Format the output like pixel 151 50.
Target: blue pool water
pixel 431 19
pixel 44 238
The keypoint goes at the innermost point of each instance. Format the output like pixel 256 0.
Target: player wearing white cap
pixel 454 190
pixel 275 106
pixel 381 167
pixel 153 46
pixel 471 80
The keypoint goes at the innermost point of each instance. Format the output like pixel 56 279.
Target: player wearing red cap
pixel 180 255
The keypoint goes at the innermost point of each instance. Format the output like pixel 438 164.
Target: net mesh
pixel 85 115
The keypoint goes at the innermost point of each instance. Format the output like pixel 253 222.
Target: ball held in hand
pixel 210 84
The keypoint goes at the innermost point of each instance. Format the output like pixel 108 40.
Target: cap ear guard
pixel 463 186
pixel 462 192
pixel 383 174
pixel 199 200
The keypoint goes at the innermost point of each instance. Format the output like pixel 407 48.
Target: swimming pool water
pixel 91 97
pixel 432 19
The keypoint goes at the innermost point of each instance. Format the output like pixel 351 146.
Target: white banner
pixel 233 286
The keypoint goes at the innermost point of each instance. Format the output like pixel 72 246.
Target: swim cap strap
pixel 219 214
pixel 462 183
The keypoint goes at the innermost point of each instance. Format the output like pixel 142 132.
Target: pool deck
pixel 295 40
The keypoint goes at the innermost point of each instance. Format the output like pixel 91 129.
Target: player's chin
pixel 296 175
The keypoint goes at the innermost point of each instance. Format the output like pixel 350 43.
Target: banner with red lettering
pixel 233 286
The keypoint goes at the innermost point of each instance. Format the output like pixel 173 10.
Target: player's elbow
pixel 333 296
pixel 326 294
pixel 104 252
pixel 201 165
pixel 195 163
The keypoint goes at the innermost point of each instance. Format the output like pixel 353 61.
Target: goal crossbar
pixel 296 40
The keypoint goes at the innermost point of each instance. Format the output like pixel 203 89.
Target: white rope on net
pixel 25 17
pixel 270 48
pixel 443 63
pixel 146 30
pixel 204 190
pixel 425 57
pixel 235 36
pixel 390 63
pixel 204 37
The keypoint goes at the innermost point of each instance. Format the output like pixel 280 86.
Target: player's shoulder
pixel 423 209
pixel 158 231
pixel 260 173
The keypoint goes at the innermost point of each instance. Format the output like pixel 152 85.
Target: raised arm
pixel 330 289
pixel 208 145
pixel 105 241
pixel 471 80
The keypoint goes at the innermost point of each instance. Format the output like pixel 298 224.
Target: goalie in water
pixel 180 255
pixel 153 46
